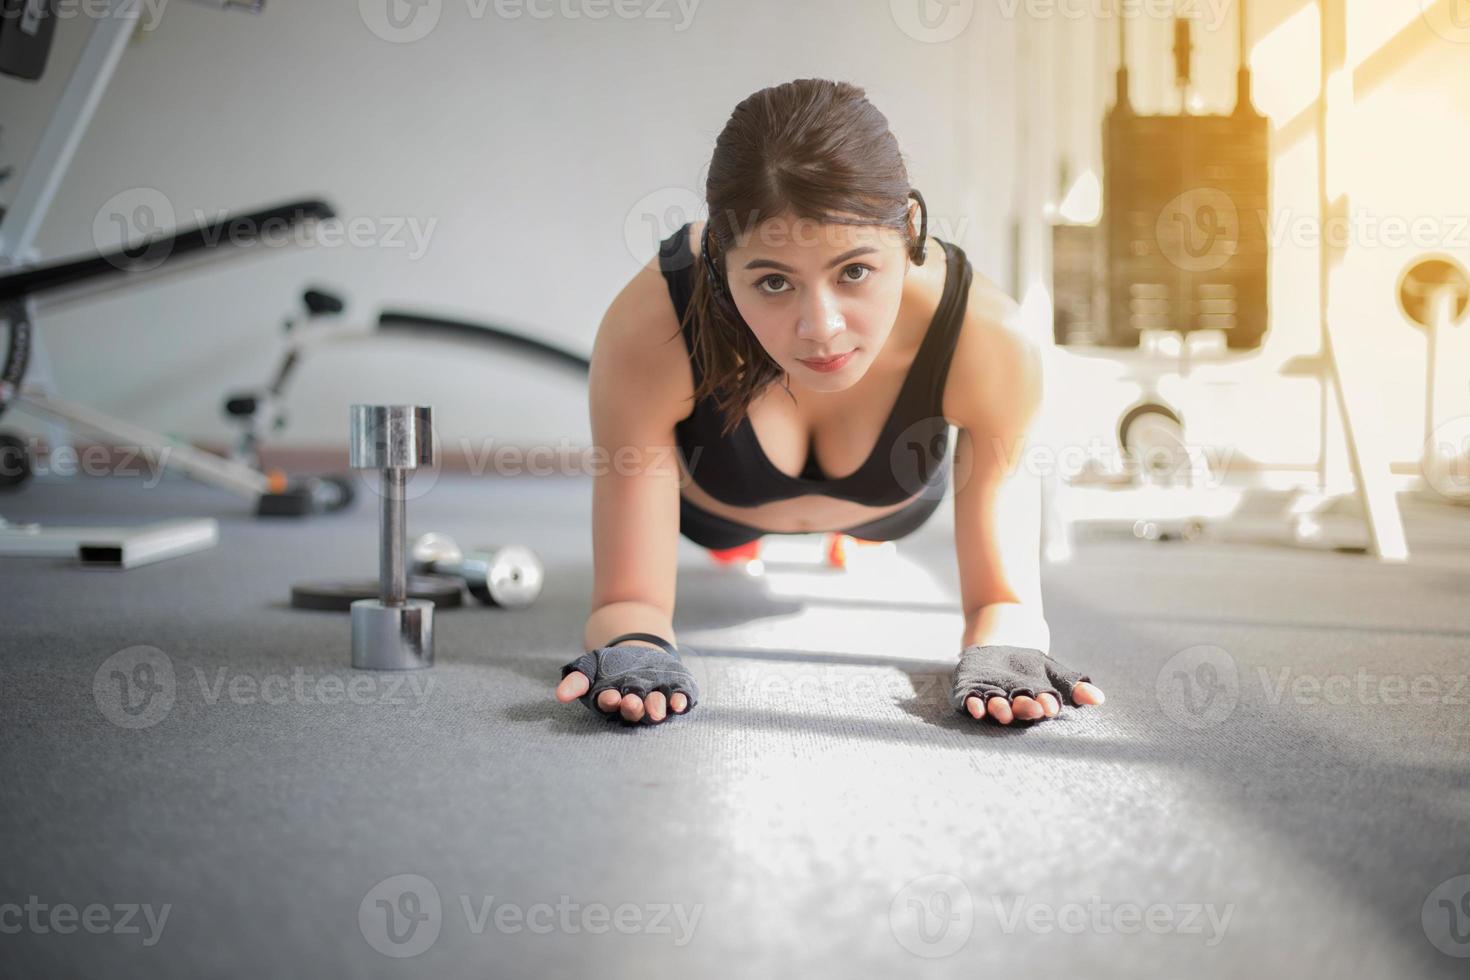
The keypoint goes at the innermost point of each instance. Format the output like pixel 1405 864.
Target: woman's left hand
pixel 1017 684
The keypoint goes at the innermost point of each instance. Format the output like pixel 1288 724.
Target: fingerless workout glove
pixel 634 670
pixel 997 671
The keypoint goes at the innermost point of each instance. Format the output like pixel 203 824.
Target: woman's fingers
pixel 658 706
pixel 1086 693
pixel 632 707
pixel 1000 710
pixel 572 686
pixel 1025 708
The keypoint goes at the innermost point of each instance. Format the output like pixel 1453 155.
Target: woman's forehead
pixel 808 239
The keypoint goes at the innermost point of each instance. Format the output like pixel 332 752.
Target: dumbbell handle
pixel 393 539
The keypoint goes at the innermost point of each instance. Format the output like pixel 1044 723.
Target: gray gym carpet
pixel 1279 783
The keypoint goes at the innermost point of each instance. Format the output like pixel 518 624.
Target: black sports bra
pixel 909 451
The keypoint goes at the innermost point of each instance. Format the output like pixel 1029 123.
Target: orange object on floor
pixel 837 543
pixel 741 553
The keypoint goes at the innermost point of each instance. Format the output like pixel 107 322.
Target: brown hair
pixel 808 149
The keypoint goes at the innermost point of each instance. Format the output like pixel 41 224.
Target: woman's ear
pixel 918 229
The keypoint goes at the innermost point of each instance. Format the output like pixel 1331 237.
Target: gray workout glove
pixel 997 671
pixel 634 670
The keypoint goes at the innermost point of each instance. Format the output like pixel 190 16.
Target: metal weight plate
pixel 339 595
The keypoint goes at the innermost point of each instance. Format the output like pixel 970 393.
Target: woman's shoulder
pixel 640 340
pixel 996 366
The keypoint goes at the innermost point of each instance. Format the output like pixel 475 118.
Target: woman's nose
pixel 821 318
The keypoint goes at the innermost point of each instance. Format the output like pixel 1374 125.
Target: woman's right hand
pixel 638 680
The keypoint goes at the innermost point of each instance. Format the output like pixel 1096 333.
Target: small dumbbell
pixel 509 577
pixel 392 632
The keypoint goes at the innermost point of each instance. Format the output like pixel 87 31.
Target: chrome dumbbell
pixel 392 632
pixel 509 577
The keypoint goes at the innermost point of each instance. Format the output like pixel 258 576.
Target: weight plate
pixel 338 596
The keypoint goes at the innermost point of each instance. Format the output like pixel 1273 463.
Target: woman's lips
pixel 828 366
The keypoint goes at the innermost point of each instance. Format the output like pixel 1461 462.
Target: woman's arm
pixel 997 496
pixel 1005 650
pixel 637 392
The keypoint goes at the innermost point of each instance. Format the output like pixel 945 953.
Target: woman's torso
pixel 863 438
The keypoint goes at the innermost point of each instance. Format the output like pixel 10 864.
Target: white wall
pixel 528 147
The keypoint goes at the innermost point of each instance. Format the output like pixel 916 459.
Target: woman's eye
pixel 865 270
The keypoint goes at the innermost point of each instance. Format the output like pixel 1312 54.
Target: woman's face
pixel 810 291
